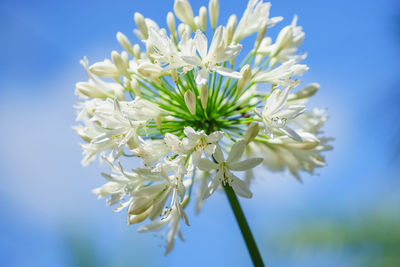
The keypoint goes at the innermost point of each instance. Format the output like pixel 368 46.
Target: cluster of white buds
pixel 182 103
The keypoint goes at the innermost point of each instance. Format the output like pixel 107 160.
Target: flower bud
pixel 230 29
pixel 119 62
pixel 105 69
pixel 282 40
pixel 203 18
pixel 246 77
pixel 197 22
pixel 150 70
pixel 190 100
pixel 260 35
pixel 204 95
pixel 184 12
pixel 135 87
pixel 90 90
pixel 213 8
pixel 182 28
pixel 171 24
pixel 125 58
pixel 252 132
pixel 141 24
pixel 307 91
pixel 132 219
pixel 136 51
pixel 124 42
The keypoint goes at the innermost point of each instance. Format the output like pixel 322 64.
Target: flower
pixel 223 168
pixel 255 15
pixel 276 114
pixel 281 75
pixel 287 43
pixel 195 144
pixel 209 61
pixel 177 103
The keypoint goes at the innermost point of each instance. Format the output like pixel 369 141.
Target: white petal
pixel 218 155
pixel 206 165
pixel 210 149
pixel 291 133
pixel 213 185
pixel 229 53
pixel 202 76
pixel 155 226
pixel 240 187
pixel 236 151
pixel 192 134
pixel 228 72
pixel 216 42
pixel 214 137
pixel 245 164
pixel 200 41
pixel 192 60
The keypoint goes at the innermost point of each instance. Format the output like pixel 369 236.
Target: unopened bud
pixel 203 18
pixel 252 132
pixel 204 95
pixel 135 87
pixel 282 40
pixel 171 24
pixel 190 100
pixel 258 59
pixel 183 28
pixel 197 22
pixel 119 62
pixel 124 42
pixel 125 58
pixel 307 91
pixel 184 12
pixel 141 24
pixel 150 70
pixel 105 69
pixel 90 90
pixel 230 29
pixel 213 8
pixel 136 51
pixel 246 77
pixel 260 35
pixel 132 219
pixel 273 61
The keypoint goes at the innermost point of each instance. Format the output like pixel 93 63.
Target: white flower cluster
pixel 180 102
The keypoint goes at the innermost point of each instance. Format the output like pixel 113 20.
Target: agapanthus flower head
pixel 197 112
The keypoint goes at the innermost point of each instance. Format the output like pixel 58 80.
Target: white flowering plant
pixel 182 103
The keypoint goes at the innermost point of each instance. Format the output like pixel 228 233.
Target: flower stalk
pixel 244 227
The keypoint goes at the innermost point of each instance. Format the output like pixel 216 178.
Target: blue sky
pixel 45 194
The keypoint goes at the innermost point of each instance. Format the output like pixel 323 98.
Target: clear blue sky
pixel 45 198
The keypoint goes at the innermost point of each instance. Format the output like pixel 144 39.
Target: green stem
pixel 244 227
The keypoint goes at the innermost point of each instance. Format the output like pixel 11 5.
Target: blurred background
pixel 346 215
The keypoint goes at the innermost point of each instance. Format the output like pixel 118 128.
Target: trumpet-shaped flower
pixel 209 60
pixel 281 75
pixel 224 168
pixel 286 45
pixel 254 17
pixel 276 114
